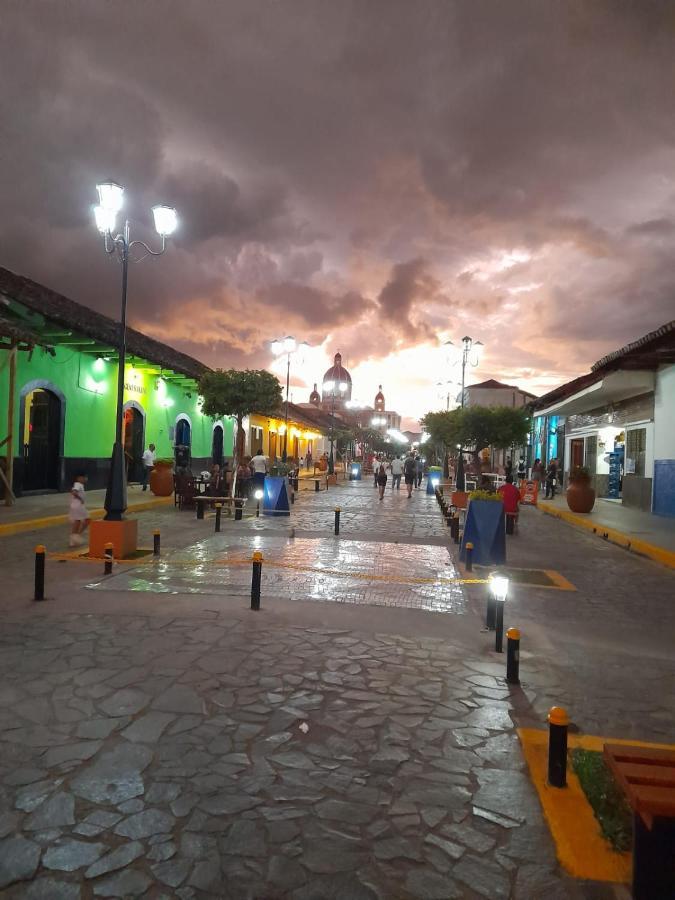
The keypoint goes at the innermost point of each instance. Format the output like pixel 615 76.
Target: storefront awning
pixel 612 388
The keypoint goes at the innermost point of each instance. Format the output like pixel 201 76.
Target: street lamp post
pixel 111 199
pixel 471 353
pixel 331 386
pixel 289 346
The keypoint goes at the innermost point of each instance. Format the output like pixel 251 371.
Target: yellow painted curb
pixel 49 521
pixel 642 548
pixel 580 846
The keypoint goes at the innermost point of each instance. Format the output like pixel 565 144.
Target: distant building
pixel 494 393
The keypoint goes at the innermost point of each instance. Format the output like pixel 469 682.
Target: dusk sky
pixel 377 176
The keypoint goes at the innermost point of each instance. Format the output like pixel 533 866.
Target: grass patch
pixel 609 805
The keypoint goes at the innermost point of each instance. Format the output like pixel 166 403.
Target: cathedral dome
pixel 337 374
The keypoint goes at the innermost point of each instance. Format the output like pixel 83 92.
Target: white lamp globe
pixel 166 220
pixel 110 196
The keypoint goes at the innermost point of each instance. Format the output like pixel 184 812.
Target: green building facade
pixel 65 391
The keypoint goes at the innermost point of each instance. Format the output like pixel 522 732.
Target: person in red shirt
pixel 510 496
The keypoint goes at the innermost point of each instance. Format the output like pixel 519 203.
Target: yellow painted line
pixel 560 583
pixel 635 545
pixel 49 521
pixel 580 847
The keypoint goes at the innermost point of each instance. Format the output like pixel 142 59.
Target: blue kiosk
pixel 275 496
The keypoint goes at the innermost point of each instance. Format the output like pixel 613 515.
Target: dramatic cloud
pixel 380 176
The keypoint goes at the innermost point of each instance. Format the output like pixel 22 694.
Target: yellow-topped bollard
pixel 337 520
pixel 256 578
pixel 558 721
pixel 108 556
pixel 513 656
pixel 469 556
pixel 40 552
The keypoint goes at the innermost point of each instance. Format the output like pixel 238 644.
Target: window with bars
pixel 636 447
pixel 591 454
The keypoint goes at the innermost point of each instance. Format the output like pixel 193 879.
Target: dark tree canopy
pixel 230 392
pixel 478 427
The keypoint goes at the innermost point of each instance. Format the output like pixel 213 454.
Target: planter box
pixel 485 528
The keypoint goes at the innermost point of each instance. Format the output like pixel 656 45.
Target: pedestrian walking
pixel 381 480
pixel 243 478
pixel 396 472
pixel 78 514
pixel 551 479
pixel 537 470
pixel 508 467
pixel 308 459
pixel 522 469
pixel 259 468
pixel 409 473
pixel 148 464
pixel 510 497
pixel 419 472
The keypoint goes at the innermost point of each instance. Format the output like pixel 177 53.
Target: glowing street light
pixel 110 203
pixel 470 353
pixel 290 347
pixel 499 589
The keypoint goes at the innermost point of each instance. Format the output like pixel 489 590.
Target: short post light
pixel 258 494
pixel 499 588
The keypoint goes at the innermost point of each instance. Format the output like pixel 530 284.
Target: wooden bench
pixel 647 778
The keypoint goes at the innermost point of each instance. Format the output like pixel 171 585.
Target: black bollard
pixel 296 483
pixel 219 511
pixel 238 509
pixel 337 520
pixel 558 721
pixel 469 557
pixel 499 626
pixel 510 524
pixel 455 529
pixel 108 553
pixel 491 614
pixel 200 509
pixel 292 495
pixel 39 572
pixel 256 578
pixel 513 656
pixel 316 485
pixel 449 519
pixel 155 542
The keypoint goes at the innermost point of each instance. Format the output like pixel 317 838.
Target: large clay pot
pixel 161 479
pixel 580 495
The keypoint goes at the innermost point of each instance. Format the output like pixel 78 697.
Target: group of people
pixel 410 468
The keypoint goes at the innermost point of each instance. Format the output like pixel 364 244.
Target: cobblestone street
pixel 159 739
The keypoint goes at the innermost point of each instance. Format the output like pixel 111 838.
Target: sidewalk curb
pixel 49 521
pixel 641 548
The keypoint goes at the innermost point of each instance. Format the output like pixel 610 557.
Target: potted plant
pixel 161 478
pixel 580 491
pixel 485 528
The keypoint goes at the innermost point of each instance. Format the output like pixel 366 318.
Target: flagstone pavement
pixel 158 739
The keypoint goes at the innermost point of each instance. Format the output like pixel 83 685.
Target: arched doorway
pixel 182 442
pixel 133 427
pixel 41 422
pixel 217 445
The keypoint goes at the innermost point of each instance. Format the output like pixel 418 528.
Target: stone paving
pixel 175 744
pixel 161 757
pixel 327 569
